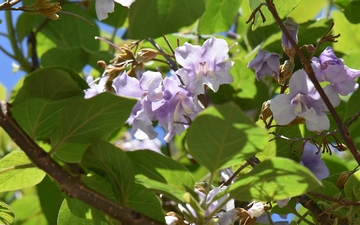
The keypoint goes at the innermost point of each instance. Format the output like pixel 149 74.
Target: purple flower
pixel 303 101
pixel 205 65
pixel 103 7
pixel 95 89
pixel 332 69
pixel 292 27
pixel 147 90
pixel 313 161
pixel 265 64
pixel 176 108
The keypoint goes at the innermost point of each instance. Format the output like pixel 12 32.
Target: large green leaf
pixel 274 179
pixel 70 31
pixel 74 57
pixel 153 18
pixel 311 12
pixel 83 120
pixel 113 164
pixel 17 172
pixel 24 24
pixel 219 16
pixel 37 105
pixel 161 173
pixel 350 8
pixel 283 8
pixel 222 136
pixel 6 213
pixel 66 217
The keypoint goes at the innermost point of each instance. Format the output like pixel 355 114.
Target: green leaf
pixel 66 217
pixel 50 198
pixel 70 32
pixel 352 187
pixel 17 172
pixel 153 18
pixel 24 25
pixel 283 8
pixel 113 165
pixel 115 19
pixel 274 179
pixel 328 189
pixel 350 8
pixel 222 136
pixel 143 200
pixel 82 210
pixel 219 16
pixel 75 58
pixel 83 120
pixel 312 9
pixel 347 31
pixel 37 105
pixel 6 213
pixel 28 211
pixel 161 173
pixel 284 148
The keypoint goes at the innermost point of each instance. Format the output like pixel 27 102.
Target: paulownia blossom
pixel 332 69
pixel 303 101
pixel 103 7
pixel 265 64
pixel 311 158
pixel 204 65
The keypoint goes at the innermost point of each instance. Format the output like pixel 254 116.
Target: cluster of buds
pixel 45 8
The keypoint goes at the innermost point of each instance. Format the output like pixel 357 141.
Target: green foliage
pixel 17 171
pixel 218 16
pixel 350 9
pixel 352 187
pixel 161 174
pixel 274 179
pixel 153 18
pixel 283 8
pixel 83 120
pixel 222 136
pixel 6 213
pixel 37 110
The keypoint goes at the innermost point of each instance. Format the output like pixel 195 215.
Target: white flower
pixel 256 210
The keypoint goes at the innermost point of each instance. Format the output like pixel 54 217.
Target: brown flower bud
pixel 344 176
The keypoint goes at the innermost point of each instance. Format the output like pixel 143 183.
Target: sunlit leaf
pixel 351 9
pixel 17 171
pixel 222 136
pixel 6 213
pixel 283 8
pixel 219 16
pixel 160 173
pixel 153 18
pixel 66 217
pixel 274 179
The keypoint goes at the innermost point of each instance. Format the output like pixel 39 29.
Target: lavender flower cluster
pixel 173 100
pixel 303 100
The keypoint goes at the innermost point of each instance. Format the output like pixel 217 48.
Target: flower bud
pixel 344 176
pixel 265 111
pixel 292 28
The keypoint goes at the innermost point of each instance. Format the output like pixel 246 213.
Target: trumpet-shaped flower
pixel 303 101
pixel 205 65
pixel 311 158
pixel 332 69
pixel 265 64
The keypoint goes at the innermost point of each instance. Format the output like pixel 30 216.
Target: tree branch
pixel 69 184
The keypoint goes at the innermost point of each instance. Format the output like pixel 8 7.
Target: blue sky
pixel 7 77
